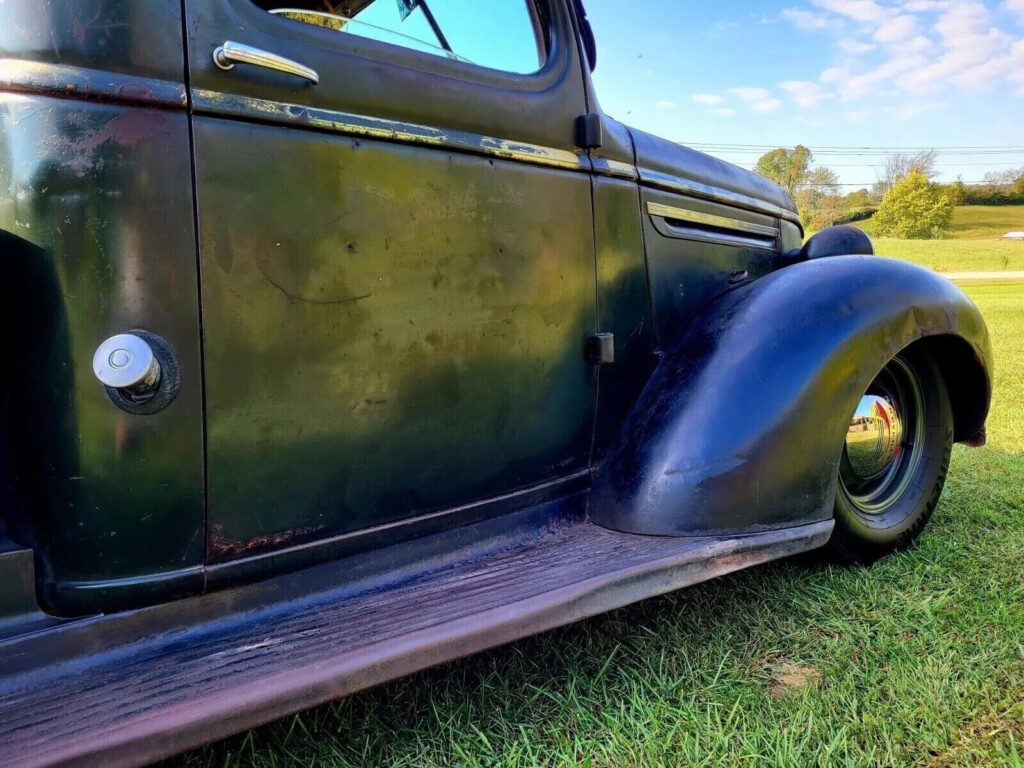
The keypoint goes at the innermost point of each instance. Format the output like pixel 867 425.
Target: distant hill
pixel 972 243
pixel 975 222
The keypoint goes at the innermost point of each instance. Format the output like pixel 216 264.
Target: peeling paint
pixel 65 80
pixel 389 130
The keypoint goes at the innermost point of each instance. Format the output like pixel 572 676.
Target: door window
pixel 498 34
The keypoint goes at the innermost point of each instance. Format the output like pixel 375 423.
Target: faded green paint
pixel 390 330
pixel 100 241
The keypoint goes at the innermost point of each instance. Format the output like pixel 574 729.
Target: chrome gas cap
pixel 126 361
pixel 874 437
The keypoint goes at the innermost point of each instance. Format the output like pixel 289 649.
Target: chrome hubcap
pixel 884 441
pixel 874 437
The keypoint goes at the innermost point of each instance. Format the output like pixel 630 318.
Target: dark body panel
pixel 101 240
pixel 396 324
pixel 742 426
pixel 623 305
pixel 401 331
pixel 689 266
pixel 121 49
pixel 369 78
pixel 670 165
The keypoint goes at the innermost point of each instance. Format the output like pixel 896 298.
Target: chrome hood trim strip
pixel 614 168
pixel 214 102
pixel 679 185
pixel 710 220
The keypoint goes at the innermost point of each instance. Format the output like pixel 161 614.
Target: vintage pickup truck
pixel 344 339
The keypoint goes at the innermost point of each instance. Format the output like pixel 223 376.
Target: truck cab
pixel 312 301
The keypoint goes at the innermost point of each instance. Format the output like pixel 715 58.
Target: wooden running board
pixel 132 688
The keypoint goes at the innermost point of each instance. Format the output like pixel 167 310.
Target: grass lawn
pixel 918 660
pixel 981 221
pixel 955 255
pixel 972 243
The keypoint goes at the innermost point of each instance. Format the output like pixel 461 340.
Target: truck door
pixel 396 261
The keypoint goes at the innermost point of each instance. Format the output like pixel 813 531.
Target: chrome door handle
pixel 230 53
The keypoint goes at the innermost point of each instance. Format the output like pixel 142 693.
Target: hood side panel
pixel 659 157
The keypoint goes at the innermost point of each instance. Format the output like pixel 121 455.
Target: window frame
pixel 377 81
pixel 546 34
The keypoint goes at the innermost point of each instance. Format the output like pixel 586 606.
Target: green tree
pixel 1017 188
pixel 824 211
pixel 914 209
pixel 958 192
pixel 899 165
pixel 789 168
pixel 859 199
pixel 813 189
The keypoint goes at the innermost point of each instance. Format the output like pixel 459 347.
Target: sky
pixel 823 73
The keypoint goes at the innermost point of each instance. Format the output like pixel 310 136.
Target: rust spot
pixel 134 91
pixel 224 548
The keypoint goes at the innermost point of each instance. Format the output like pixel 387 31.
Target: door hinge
pixel 588 131
pixel 601 349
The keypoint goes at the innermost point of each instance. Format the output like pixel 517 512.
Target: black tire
pixel 879 513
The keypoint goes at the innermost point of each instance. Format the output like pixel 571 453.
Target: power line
pixel 1014 147
pixel 880 153
pixel 872 183
pixel 934 165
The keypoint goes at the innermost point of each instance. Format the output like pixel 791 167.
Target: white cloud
pixel 896 29
pixel 924 6
pixel 962 47
pixel 758 99
pixel 750 93
pixel 805 93
pixel 899 57
pixel 804 19
pixel 918 44
pixel 858 10
pixel 665 104
pixel 975 53
pixel 853 47
pixel 1017 66
pixel 900 66
pixel 834 75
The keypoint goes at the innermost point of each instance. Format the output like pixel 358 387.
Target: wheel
pixel 894 460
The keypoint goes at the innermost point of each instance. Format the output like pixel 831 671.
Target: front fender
pixel 741 427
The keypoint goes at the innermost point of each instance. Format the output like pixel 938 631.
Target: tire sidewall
pixel 900 523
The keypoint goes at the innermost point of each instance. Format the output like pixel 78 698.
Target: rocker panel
pixel 264 653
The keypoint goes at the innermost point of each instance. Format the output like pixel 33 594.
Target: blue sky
pixel 825 73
